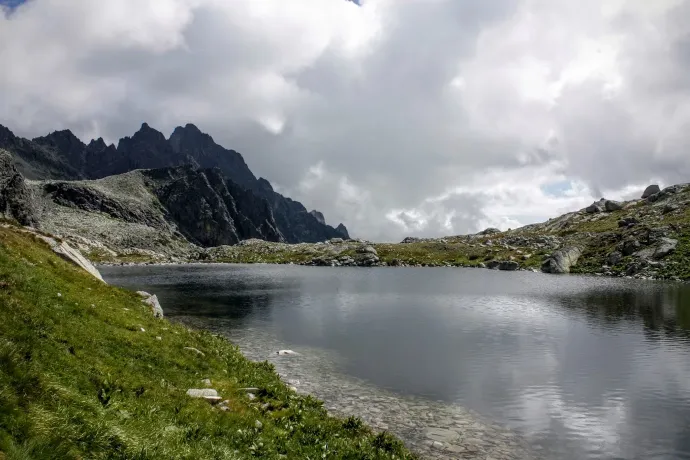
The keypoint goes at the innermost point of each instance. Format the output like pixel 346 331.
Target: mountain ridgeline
pixel 208 191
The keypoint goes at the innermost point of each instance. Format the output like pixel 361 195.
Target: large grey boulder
pixel 665 247
pixel 561 260
pixel 611 205
pixel 156 309
pixel 597 206
pixel 72 255
pixel 651 190
pixel 366 249
pixel 16 199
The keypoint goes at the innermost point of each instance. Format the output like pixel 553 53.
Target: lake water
pixel 579 367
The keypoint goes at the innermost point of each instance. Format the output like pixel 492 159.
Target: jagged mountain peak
pixel 63 156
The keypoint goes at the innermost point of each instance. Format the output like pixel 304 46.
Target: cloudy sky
pixel 396 117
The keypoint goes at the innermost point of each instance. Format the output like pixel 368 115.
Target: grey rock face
pixel 205 211
pixel 651 190
pixel 62 156
pixel 16 200
pixel 342 230
pixel 318 216
pixel 561 260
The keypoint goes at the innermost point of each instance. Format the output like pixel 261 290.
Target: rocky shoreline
pixel 647 238
pixel 432 429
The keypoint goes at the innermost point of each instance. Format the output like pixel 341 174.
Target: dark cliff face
pixel 16 200
pixel 35 161
pixel 342 229
pixel 190 142
pixel 61 155
pixel 208 209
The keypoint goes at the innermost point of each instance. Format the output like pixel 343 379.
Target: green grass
pixel 80 379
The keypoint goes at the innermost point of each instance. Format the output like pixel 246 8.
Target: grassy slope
pixel 80 379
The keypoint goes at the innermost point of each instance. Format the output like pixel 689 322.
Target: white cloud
pixel 425 116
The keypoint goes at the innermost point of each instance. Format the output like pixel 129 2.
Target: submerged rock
pixel 508 265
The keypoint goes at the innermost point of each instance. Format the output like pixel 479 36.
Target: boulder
pixel 628 222
pixel 493 264
pixel 489 231
pixel 336 241
pixel 630 246
pixel 561 260
pixel 651 190
pixel 611 205
pixel 614 258
pixel 72 255
pixel 366 249
pixel 208 394
pixel 665 247
pixel 597 206
pixel 508 265
pixel 156 308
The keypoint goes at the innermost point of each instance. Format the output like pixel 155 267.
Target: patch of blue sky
pixel 557 189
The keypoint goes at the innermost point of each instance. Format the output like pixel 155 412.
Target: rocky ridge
pixel 62 156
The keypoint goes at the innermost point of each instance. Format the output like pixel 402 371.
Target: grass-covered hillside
pixel 86 372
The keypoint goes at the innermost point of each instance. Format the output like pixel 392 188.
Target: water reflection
pixel 586 367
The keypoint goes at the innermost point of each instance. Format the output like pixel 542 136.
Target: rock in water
pixel 561 260
pixel 651 190
pixel 16 200
pixel 508 265
pixel 286 352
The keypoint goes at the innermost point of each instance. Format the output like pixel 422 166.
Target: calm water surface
pixel 582 367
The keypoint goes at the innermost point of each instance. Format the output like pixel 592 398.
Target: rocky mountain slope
pixel 62 156
pixel 171 211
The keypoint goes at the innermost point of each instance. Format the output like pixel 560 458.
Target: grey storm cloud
pixel 399 118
